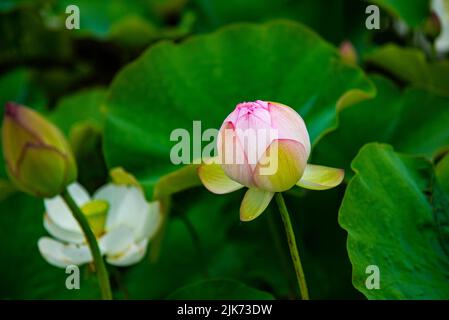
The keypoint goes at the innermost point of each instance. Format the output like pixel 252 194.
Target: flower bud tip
pixel 11 109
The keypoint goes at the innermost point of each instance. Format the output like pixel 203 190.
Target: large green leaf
pixel 412 12
pixel 410 65
pixel 219 290
pixel 203 78
pixel 397 218
pixel 413 121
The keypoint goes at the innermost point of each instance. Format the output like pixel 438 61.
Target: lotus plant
pixel 40 162
pixel 265 146
pixel 122 220
pixel 38 158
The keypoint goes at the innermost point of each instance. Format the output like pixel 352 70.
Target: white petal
pixel 79 194
pixel 79 254
pixel 441 8
pixel 153 219
pixel 133 255
pixel 127 206
pixel 116 241
pixel 56 254
pixel 61 233
pixel 60 213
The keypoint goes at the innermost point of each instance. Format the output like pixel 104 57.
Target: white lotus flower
pixel 120 217
pixel 441 9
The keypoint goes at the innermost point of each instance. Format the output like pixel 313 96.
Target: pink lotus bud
pixel 348 52
pixel 264 145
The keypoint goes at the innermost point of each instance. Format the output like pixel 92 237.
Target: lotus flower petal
pixel 254 203
pixel 116 241
pixel 61 255
pixel 441 9
pixel 215 179
pixel 281 167
pixel 73 236
pixel 232 156
pixel 321 178
pixel 289 124
pixel 127 206
pixel 60 214
pixel 134 254
pixel 246 141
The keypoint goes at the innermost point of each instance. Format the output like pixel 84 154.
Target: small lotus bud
pixel 38 157
pixel 348 53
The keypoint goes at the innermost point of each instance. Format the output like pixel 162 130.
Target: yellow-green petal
pixel 254 203
pixel 281 166
pixel 41 171
pixel 215 179
pixel 121 177
pixel 320 177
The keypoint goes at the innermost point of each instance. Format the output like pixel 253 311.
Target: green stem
pixel 292 245
pixel 102 273
pixel 279 245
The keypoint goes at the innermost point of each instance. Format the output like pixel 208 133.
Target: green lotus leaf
pixel 411 66
pixel 413 121
pixel 397 219
pixel 130 23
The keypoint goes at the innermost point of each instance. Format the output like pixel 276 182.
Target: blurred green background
pixel 136 70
